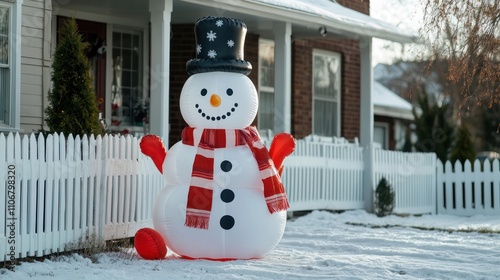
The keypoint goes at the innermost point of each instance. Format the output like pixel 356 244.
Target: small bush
pixel 463 148
pixel 384 198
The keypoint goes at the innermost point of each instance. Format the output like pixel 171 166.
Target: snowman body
pixel 240 225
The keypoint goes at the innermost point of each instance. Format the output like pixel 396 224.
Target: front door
pixel 94 33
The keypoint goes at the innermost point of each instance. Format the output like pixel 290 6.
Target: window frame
pixel 335 55
pixel 265 89
pixel 386 128
pixel 140 32
pixel 14 58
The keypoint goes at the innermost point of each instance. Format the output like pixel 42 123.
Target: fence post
pixel 103 151
pixel 368 177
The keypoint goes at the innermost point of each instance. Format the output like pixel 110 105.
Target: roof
pixel 306 16
pixel 337 17
pixel 387 103
pixel 310 15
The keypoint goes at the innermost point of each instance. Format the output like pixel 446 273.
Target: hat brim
pixel 196 66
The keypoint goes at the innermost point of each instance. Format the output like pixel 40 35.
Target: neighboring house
pixel 311 61
pixel 393 117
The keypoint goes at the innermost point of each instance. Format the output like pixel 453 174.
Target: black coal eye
pixel 229 92
pixel 203 92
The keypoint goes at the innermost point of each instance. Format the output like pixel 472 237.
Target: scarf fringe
pixel 277 203
pixel 197 220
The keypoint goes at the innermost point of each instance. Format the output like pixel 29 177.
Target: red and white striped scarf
pixel 199 203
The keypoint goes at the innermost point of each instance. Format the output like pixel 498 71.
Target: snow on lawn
pixel 320 245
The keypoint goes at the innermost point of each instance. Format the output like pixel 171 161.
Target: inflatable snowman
pixel 223 197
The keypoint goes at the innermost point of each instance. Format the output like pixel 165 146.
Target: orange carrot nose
pixel 215 100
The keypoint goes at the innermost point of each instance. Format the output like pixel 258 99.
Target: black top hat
pixel 219 46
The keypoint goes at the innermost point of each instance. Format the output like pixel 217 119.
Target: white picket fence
pixel 321 175
pixel 412 177
pixel 464 191
pixel 58 192
pixel 329 175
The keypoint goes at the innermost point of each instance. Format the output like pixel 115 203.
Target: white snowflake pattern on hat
pixel 211 36
pixel 219 23
pixel 198 49
pixel 230 43
pixel 212 53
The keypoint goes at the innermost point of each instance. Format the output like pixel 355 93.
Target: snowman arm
pixel 152 146
pixel 282 146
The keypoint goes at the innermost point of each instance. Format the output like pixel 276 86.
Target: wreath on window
pixel 97 48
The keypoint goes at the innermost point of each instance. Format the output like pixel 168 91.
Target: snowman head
pixel 219 100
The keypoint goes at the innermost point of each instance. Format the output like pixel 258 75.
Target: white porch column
pixel 366 120
pixel 160 67
pixel 282 77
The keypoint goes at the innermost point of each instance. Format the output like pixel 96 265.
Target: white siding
pixel 35 61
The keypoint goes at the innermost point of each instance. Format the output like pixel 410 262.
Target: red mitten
pixel 149 244
pixel 152 146
pixel 282 146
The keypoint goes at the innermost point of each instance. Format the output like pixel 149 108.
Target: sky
pixel 406 14
pixel 320 245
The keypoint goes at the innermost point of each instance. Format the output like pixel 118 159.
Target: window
pixel 4 63
pixel 7 63
pixel 266 85
pixel 326 93
pixel 129 105
pixel 10 68
pixel 381 135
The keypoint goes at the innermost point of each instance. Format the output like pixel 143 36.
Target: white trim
pixel 108 95
pixel 16 61
pixel 386 127
pixel 110 19
pixel 366 120
pixel 393 112
pixel 338 100
pixel 161 18
pixel 15 21
pixel 282 76
pixel 261 88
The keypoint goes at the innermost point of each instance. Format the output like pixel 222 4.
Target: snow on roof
pixel 388 103
pixel 335 16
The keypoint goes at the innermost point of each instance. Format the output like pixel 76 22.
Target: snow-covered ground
pixel 320 245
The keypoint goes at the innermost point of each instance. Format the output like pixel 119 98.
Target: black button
pixel 227 222
pixel 227 195
pixel 226 166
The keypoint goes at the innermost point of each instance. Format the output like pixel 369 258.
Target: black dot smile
pixel 216 118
